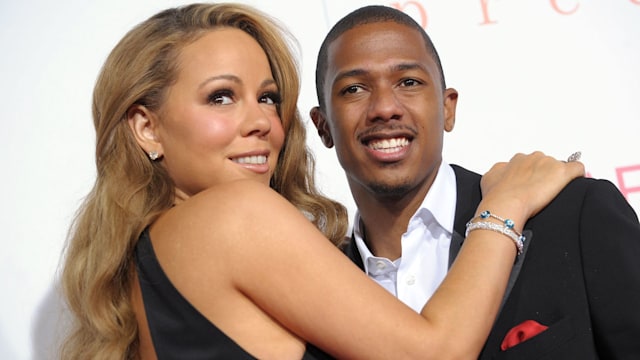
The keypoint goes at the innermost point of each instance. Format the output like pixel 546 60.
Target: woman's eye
pixel 224 97
pixel 271 98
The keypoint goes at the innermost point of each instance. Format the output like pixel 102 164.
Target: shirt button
pixel 410 280
pixel 380 265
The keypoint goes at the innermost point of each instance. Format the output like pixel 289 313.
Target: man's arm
pixel 610 239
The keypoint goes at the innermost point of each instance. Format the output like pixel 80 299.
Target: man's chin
pixel 389 190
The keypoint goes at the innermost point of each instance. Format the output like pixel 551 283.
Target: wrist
pixel 505 226
pixel 505 208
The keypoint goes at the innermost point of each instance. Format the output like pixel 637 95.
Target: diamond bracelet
pixel 506 228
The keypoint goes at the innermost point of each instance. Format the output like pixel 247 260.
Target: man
pixel 574 293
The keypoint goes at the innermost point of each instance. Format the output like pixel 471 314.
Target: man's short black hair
pixel 367 15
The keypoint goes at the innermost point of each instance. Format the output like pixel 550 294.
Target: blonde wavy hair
pixel 131 191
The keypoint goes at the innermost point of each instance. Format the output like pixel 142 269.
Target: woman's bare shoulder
pixel 225 215
pixel 233 202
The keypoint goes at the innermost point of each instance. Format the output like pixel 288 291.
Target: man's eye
pixel 352 89
pixel 410 82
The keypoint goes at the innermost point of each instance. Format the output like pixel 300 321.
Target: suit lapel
pixel 469 195
pixel 351 250
pixel 456 244
pixel 515 271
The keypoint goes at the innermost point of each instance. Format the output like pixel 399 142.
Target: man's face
pixel 385 111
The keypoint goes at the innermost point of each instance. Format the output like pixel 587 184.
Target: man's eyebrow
pixel 349 73
pixel 409 66
pixel 394 68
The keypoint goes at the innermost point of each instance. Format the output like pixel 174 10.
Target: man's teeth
pixel 254 160
pixel 388 145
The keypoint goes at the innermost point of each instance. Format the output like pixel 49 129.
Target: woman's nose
pixel 257 120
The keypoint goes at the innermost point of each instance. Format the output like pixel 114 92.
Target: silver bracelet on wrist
pixel 506 227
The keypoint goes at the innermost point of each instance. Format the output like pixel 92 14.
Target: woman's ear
pixel 143 124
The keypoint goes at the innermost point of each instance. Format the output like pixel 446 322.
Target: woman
pixel 196 241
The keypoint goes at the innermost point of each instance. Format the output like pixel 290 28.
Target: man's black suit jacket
pixel 579 274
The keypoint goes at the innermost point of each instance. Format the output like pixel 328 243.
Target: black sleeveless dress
pixel 178 330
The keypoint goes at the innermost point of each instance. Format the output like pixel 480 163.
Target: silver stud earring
pixel 153 155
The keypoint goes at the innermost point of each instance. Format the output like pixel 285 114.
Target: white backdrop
pixel 557 75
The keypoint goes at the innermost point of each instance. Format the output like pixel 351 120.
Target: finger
pixel 576 168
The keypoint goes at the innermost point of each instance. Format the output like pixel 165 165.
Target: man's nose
pixel 385 105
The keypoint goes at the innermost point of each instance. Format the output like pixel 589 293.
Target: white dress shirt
pixel 415 276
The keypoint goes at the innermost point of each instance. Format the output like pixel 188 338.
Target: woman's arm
pixel 269 251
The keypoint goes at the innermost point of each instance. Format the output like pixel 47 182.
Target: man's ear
pixel 320 121
pixel 450 102
pixel 142 123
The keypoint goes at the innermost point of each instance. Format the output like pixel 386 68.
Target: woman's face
pixel 220 121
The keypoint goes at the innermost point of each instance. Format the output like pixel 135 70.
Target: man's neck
pixel 384 220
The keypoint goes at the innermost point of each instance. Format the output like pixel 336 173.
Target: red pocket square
pixel 522 332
